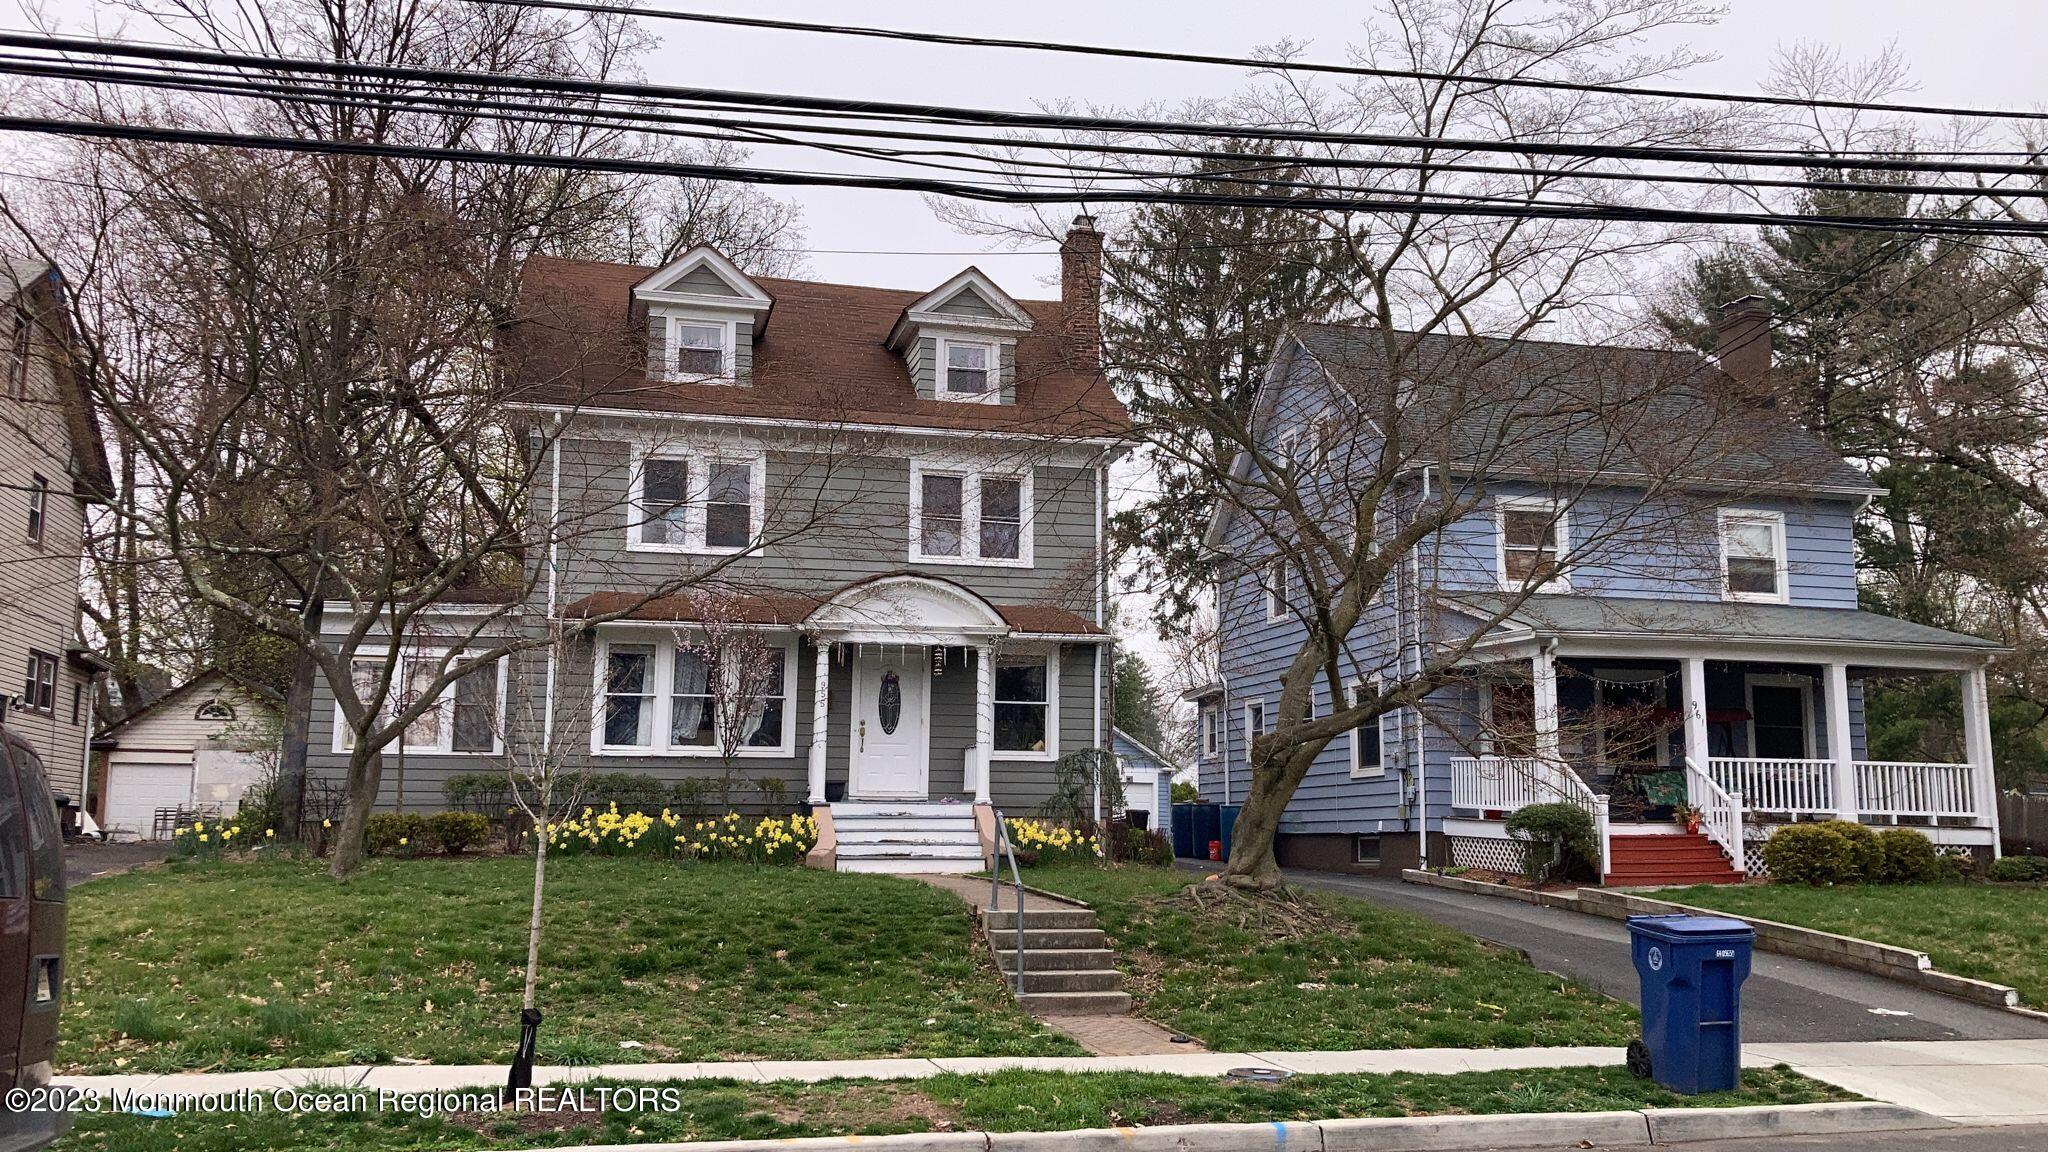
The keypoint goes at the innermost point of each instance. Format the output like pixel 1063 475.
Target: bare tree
pixel 728 678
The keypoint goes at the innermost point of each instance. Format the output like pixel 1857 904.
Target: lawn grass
pixel 1367 977
pixel 1992 932
pixel 1004 1102
pixel 243 965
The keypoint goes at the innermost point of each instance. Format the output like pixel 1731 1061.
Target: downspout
pixel 547 721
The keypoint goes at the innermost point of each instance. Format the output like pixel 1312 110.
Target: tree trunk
pixel 540 878
pixel 1275 776
pixel 365 772
pixel 298 719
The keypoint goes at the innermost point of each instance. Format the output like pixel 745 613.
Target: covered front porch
pixel 1732 731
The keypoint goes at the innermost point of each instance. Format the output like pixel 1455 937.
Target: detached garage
pixel 196 748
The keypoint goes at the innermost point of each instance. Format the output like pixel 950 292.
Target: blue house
pixel 1645 597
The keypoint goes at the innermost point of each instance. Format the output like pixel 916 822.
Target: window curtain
pixel 691 681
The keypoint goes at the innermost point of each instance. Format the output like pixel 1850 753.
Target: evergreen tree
pixel 1137 699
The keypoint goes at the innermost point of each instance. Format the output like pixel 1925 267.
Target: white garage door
pixel 136 791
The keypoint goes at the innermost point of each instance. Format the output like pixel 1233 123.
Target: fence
pixel 2023 822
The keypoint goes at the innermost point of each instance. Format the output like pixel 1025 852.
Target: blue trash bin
pixel 1692 969
pixel 1226 825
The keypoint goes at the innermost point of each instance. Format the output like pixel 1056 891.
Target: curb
pixel 1868 956
pixel 1640 1129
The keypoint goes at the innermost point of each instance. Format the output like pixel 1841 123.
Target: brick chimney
pixel 1081 288
pixel 1742 344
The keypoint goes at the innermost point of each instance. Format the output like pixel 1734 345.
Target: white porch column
pixel 1544 667
pixel 1692 688
pixel 1841 743
pixel 1977 749
pixel 821 697
pixel 984 718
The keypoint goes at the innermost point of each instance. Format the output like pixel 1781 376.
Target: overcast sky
pixel 1970 52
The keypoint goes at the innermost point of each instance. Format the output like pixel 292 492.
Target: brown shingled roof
pixel 581 342
pixel 791 609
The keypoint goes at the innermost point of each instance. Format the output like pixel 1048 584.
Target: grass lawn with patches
pixel 1362 976
pixel 243 965
pixel 1994 932
pixel 1003 1102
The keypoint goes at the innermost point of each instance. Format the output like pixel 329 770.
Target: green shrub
pixel 1865 854
pixel 1907 858
pixel 488 794
pixel 395 834
pixel 631 791
pixel 2021 870
pixel 1143 846
pixel 1556 839
pixel 457 832
pixel 1816 855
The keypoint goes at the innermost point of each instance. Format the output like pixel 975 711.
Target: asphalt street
pixel 1784 1001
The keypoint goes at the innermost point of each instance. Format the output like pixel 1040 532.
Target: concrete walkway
pixel 1971 1082
pixel 1785 1000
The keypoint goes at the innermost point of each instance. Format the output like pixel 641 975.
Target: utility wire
pixel 985 117
pixel 1261 64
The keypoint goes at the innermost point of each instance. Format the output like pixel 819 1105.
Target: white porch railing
pixel 1894 788
pixel 1506 784
pixel 1798 787
pixel 1720 810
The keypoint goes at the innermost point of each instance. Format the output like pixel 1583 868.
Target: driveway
pixel 1784 1001
pixel 87 859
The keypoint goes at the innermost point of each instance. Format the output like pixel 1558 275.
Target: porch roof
pixel 1618 617
pixel 793 609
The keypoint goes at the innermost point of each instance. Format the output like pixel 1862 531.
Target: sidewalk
pixel 1968 1081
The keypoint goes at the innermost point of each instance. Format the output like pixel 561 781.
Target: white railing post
pixel 1600 829
pixel 1848 803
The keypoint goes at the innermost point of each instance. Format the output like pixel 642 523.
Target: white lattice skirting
pixel 1497 853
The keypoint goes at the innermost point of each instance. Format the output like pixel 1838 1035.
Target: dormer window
pixel 967 371
pixel 699 348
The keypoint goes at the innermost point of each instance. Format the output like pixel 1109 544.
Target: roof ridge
pixel 1580 344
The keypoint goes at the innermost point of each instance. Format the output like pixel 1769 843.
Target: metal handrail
pixel 1006 849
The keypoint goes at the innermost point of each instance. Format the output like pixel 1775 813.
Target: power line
pixel 1257 63
pixel 863 109
pixel 1010 195
pixel 231 83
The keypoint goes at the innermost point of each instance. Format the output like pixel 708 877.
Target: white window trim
pixel 1276 583
pixel 1775 521
pixel 941 379
pixel 1052 708
pixel 662 691
pixel 1211 721
pixel 1250 732
pixel 444 706
pixel 1361 771
pixel 728 372
pixel 970 515
pixel 699 461
pixel 1561 582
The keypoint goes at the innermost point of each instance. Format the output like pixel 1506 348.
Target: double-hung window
pixel 1533 543
pixel 1372 740
pixel 699 349
pixel 661 697
pixel 970 517
pixel 1277 599
pixel 1212 736
pixel 39 687
pixel 38 508
pixel 1026 715
pixel 689 501
pixel 462 717
pixel 17 358
pixel 968 371
pixel 1254 721
pixel 1753 555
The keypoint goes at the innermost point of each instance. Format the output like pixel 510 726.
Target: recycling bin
pixel 1692 969
pixel 1226 825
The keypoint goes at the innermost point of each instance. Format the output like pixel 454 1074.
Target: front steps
pixel 1068 968
pixel 1667 860
pixel 906 836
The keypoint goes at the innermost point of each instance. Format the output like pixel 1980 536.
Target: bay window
pixel 685 500
pixel 969 517
pixel 1026 716
pixel 694 697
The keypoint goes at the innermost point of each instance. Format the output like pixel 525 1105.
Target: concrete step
pixel 918 851
pixel 907 865
pixel 1056 939
pixel 1075 1003
pixel 911 836
pixel 1085 980
pixel 1038 918
pixel 901 809
pixel 1054 959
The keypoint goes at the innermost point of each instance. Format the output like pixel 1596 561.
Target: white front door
pixel 891 739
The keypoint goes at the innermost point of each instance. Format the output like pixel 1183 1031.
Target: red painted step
pixel 1642 861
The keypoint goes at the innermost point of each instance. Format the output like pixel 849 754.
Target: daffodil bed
pixel 1043 843
pixel 1351 975
pixel 754 839
pixel 256 963
pixel 1002 1102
